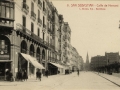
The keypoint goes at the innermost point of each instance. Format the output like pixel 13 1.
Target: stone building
pixel 32 36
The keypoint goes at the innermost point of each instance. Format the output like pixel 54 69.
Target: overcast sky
pixel 93 31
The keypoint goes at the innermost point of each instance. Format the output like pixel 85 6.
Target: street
pixel 85 81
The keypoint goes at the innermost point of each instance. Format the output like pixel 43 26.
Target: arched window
pixel 4 48
pixel 23 47
pixel 43 54
pixel 31 50
pixel 38 54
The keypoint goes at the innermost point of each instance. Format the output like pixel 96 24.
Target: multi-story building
pixel 32 35
pixel 112 57
pixel 107 63
pixel 98 61
pixel 76 60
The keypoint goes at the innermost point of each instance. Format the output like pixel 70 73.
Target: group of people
pixel 38 74
pixel 22 75
pixel 9 75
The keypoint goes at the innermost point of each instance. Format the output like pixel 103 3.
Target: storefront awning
pixel 32 60
pixel 57 65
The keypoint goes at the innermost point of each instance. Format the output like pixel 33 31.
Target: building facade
pixel 108 63
pixel 33 28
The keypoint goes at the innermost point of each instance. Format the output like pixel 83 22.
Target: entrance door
pixel 3 67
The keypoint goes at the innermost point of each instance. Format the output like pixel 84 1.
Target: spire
pixel 87 62
pixel 87 59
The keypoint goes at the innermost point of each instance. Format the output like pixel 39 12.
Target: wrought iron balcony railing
pixel 39 21
pixel 44 10
pixel 39 4
pixel 25 8
pixel 33 15
pixel 44 26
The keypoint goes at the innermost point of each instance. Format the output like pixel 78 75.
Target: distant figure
pixel 78 72
pixel 10 76
pixel 20 75
pixel 39 75
pixel 47 72
pixel 25 76
pixel 7 74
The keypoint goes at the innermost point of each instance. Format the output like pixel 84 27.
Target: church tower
pixel 87 63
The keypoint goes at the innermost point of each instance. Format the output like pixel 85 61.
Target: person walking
pixel 25 76
pixel 47 72
pixel 78 72
pixel 20 75
pixel 10 76
pixel 39 75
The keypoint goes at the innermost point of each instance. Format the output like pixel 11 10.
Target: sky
pixel 92 30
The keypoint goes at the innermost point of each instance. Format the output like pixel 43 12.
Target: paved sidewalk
pixel 30 80
pixel 111 78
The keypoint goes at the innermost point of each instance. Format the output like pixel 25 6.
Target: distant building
pixel 108 63
pixel 112 57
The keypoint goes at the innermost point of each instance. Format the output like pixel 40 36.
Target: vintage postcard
pixel 59 44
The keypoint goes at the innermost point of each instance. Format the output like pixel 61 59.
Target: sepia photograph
pixel 59 44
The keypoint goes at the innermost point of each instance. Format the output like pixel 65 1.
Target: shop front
pixel 5 62
pixel 30 61
pixel 55 68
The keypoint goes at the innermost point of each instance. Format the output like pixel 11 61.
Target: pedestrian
pixel 20 76
pixel 10 76
pixel 46 72
pixel 25 76
pixel 7 74
pixel 39 75
pixel 78 72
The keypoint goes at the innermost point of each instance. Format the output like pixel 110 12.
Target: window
pixel 24 21
pixel 43 20
pixel 43 5
pixel 32 6
pixel 3 11
pixel 38 32
pixel 32 27
pixel 24 1
pixel 7 10
pixel 43 36
pixel 38 13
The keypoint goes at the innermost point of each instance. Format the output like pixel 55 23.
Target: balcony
pixel 30 34
pixel 39 22
pixel 9 24
pixel 49 30
pixel 33 16
pixel 52 46
pixel 59 40
pixel 49 17
pixel 39 4
pixel 25 8
pixel 44 11
pixel 44 28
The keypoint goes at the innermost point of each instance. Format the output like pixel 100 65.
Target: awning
pixel 57 65
pixel 32 60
